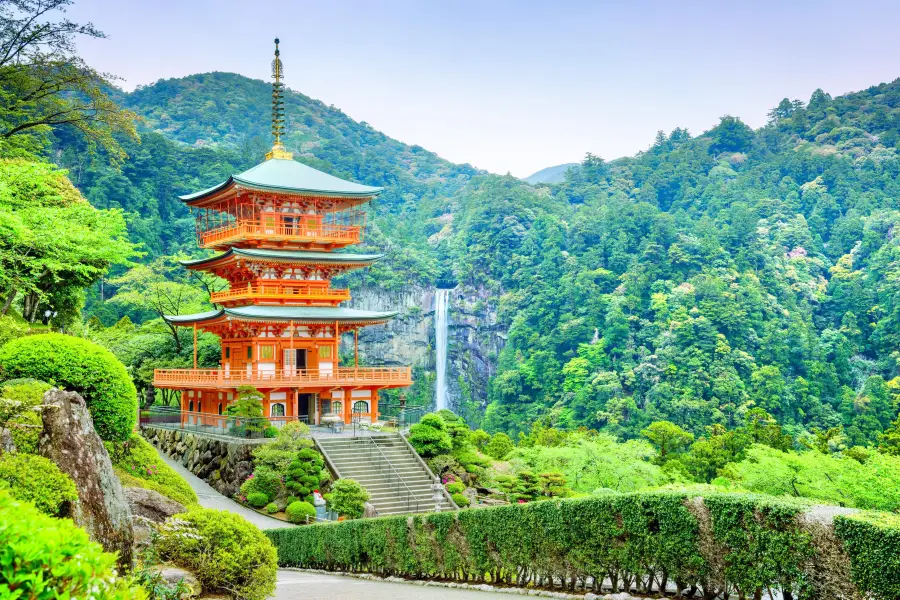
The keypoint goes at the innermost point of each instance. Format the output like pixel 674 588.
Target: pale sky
pixel 512 85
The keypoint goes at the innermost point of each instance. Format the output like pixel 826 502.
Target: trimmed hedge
pixel 35 479
pixel 873 542
pixel 80 366
pixel 740 544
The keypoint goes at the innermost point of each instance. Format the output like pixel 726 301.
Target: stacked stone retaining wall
pixel 223 464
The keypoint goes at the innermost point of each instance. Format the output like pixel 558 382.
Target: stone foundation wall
pixel 224 465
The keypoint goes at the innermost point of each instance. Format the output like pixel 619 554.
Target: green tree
pixel 668 438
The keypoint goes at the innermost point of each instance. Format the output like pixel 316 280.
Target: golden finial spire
pixel 278 150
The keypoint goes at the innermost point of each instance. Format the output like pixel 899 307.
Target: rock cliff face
pixel 475 338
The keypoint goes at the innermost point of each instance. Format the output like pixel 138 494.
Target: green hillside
pixel 706 276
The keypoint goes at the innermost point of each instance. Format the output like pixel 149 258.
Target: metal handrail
pixel 431 475
pixel 410 497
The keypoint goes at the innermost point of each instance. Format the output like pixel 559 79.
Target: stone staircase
pixel 397 482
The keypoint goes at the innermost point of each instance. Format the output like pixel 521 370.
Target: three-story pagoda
pixel 276 227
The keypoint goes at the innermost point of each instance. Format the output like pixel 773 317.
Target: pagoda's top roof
pixel 297 314
pixel 288 256
pixel 288 175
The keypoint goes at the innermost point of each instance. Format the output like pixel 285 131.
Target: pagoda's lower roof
pixel 284 314
pixel 296 257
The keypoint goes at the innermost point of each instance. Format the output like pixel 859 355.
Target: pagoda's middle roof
pixel 298 257
pixel 290 176
pixel 283 314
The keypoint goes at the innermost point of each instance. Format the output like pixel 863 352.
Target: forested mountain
pixel 706 276
pixel 555 174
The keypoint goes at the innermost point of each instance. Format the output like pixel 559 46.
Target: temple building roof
pixel 283 314
pixel 290 176
pixel 294 257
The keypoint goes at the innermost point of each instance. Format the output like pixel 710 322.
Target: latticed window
pixel 266 352
pixel 325 352
pixel 337 407
pixel 360 406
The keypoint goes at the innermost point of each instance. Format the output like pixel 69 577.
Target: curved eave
pixel 197 198
pixel 308 258
pixel 234 314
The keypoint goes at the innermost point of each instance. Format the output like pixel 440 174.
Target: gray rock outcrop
pixel 69 440
pixel 149 507
pixel 172 576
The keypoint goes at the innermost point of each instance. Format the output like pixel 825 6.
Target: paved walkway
pixel 210 498
pixel 297 585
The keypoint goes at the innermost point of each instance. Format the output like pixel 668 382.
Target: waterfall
pixel 441 322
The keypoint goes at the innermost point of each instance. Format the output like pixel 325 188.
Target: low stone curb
pixel 481 587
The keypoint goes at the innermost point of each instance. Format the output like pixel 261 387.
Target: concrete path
pixel 297 585
pixel 210 498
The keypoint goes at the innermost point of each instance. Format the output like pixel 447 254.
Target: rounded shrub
pixel 271 508
pixel 80 366
pixel 456 487
pixel 35 479
pixel 264 479
pixel 257 499
pixel 43 557
pixel 461 501
pixel 347 498
pixel 429 436
pixel 297 512
pixel 226 552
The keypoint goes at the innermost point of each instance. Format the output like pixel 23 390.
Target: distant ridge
pixel 550 174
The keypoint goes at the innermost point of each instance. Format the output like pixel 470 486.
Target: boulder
pixel 6 441
pixel 69 440
pixel 152 505
pixel 172 575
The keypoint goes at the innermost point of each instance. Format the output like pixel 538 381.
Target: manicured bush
pixel 872 540
pixel 461 501
pixel 263 480
pixel 81 366
pixel 499 446
pixel 257 499
pixel 271 508
pixel 429 436
pixel 347 498
pixel 35 479
pixel 225 551
pixel 306 474
pixel 297 512
pixel 456 487
pixel 138 464
pixel 43 557
pixel 636 540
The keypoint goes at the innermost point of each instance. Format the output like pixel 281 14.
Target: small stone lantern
pixel 438 494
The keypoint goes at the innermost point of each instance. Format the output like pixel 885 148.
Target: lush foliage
pixel 257 499
pixel 873 543
pixel 35 479
pixel 19 412
pixel 300 512
pixel 53 243
pixel 81 366
pixel 138 464
pixel 43 557
pixel 429 436
pixel 347 498
pixel 226 552
pixel 306 474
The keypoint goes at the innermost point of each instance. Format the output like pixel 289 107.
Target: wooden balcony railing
pixel 298 294
pixel 294 378
pixel 266 233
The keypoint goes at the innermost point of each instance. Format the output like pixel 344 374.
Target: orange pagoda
pixel 277 227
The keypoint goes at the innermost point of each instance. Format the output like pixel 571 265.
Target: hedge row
pixel 647 542
pixel 873 543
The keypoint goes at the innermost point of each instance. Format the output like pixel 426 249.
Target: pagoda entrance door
pixel 304 405
pixel 294 360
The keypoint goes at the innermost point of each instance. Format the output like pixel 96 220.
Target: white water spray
pixel 441 322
